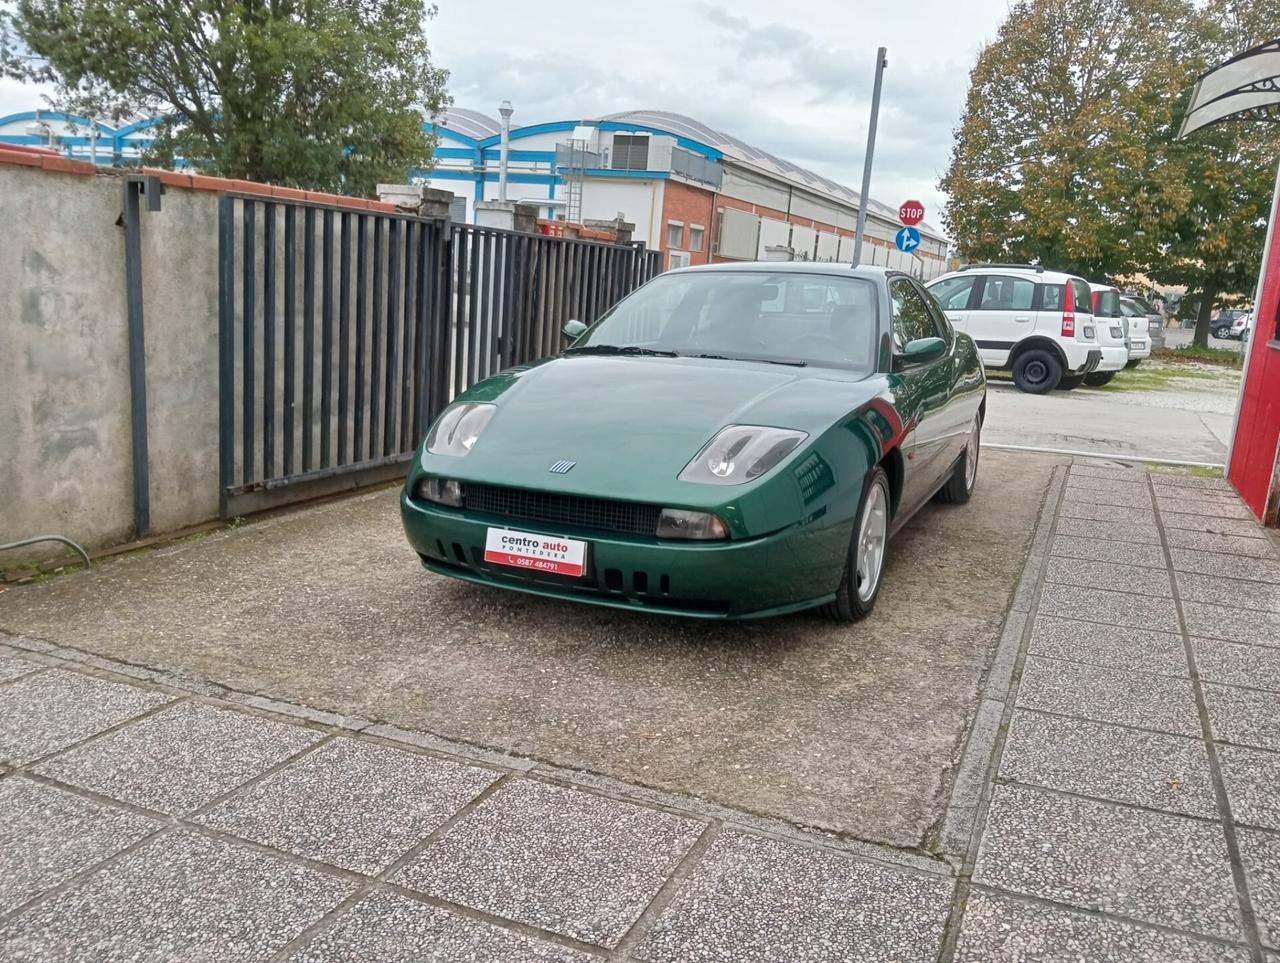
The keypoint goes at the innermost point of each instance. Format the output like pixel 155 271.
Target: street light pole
pixel 506 110
pixel 881 63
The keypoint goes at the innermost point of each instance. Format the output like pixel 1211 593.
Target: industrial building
pixel 698 194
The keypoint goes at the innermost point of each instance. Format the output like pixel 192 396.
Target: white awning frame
pixel 1247 85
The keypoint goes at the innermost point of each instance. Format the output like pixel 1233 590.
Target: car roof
pixel 1029 271
pixel 1103 287
pixel 868 271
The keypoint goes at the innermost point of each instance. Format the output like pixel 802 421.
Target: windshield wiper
pixel 794 363
pixel 620 349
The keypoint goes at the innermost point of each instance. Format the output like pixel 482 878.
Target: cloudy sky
pixel 794 79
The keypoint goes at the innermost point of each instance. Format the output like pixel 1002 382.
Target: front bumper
pixel 794 569
pixel 1114 357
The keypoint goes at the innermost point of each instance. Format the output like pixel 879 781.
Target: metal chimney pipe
pixel 506 110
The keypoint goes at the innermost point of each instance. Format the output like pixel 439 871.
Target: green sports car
pixel 727 442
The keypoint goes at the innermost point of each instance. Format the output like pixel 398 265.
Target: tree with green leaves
pixel 1066 153
pixel 321 94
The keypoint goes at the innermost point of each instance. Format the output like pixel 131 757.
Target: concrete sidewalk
pixel 1115 800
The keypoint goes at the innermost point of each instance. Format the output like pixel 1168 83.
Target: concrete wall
pixel 65 432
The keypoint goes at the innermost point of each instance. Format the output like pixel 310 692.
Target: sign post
pixel 881 62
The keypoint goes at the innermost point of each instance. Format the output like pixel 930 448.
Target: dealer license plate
pixel 541 553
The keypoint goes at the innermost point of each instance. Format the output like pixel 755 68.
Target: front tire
pixel 1099 378
pixel 959 487
pixel 864 563
pixel 1037 371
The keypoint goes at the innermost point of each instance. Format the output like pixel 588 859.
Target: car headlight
pixel 678 523
pixel 458 429
pixel 740 453
pixel 442 491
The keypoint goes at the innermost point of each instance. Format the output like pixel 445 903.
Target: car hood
pixel 630 424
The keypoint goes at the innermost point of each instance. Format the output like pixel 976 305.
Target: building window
pixel 675 234
pixel 630 152
pixel 677 259
pixel 695 237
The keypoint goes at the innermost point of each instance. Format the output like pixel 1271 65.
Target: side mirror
pixel 573 330
pixel 920 351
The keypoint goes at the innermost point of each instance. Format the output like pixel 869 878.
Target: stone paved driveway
pixel 1117 800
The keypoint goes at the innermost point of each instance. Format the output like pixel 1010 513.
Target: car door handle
pixel 954 318
pixel 1024 318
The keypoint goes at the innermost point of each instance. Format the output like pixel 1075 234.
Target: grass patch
pixel 1154 378
pixel 1193 471
pixel 1190 353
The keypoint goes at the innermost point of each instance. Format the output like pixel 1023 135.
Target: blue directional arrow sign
pixel 908 239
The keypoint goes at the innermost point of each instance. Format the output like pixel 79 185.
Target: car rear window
pixel 1084 303
pixel 1108 304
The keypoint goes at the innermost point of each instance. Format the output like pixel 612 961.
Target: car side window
pixel 1001 293
pixel 953 293
pixel 941 326
pixel 1052 297
pixel 910 320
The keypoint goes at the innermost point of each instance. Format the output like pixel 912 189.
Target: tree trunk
pixel 1201 337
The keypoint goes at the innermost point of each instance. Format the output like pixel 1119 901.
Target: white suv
pixel 1113 334
pixel 1035 322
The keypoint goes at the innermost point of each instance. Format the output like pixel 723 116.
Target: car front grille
pixel 604 514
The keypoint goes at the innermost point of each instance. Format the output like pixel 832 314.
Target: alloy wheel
pixel 873 530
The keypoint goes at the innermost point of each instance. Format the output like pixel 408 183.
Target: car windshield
pixel 768 317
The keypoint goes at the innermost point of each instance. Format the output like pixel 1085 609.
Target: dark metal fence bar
pixel 410 312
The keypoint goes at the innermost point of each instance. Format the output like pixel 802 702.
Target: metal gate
pixel 343 333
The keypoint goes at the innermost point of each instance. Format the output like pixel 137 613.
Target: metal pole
pixel 881 63
pixel 137 356
pixel 505 110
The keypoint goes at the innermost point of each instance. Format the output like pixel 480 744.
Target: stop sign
pixel 911 213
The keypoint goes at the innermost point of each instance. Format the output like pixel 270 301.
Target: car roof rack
pixel 1038 268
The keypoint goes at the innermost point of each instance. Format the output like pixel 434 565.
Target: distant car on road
pixel 1224 325
pixel 726 442
pixel 1035 322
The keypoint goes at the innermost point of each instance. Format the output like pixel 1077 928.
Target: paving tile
pixel 1126 553
pixel 1234 663
pixel 180 758
pixel 1109 695
pixel 561 859
pixel 1242 527
pixel 1129 496
pixel 1149 866
pixel 1231 623
pixel 1106 513
pixel 1114 472
pixel 1090 573
pixel 1114 646
pixel 1192 481
pixel 1116 531
pixel 1243 716
pixel 12 667
pixel 1186 502
pixel 754 900
pixel 1140 768
pixel 177 897
pixel 47 712
pixel 1115 482
pixel 1260 853
pixel 1228 566
pixel 1224 544
pixel 1233 592
pixel 351 804
pixel 1251 777
pixel 1112 608
pixel 384 928
pixel 1000 928
pixel 48 835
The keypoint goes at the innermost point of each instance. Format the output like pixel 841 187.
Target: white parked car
pixel 1137 332
pixel 1113 334
pixel 1034 322
pixel 1241 327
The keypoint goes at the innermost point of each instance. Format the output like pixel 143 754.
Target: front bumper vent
pixel 601 514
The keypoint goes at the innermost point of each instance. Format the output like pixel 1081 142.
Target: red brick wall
pixel 688 205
